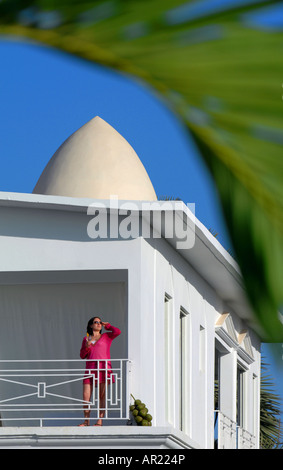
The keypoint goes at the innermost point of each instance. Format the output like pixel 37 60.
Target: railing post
pixel 237 436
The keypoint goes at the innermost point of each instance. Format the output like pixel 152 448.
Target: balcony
pixel 49 392
pixel 41 405
pixel 232 436
pixel 39 397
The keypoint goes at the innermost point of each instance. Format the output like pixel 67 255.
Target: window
pixel 240 395
pixel 255 404
pixel 216 394
pixel 216 379
pixel 201 349
pixel 169 365
pixel 183 368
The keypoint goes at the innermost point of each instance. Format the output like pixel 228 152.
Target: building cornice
pixel 207 256
pixel 106 437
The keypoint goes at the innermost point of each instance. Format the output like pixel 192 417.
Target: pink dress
pixel 97 351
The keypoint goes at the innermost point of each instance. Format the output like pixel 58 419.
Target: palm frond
pixel 221 75
pixel 270 425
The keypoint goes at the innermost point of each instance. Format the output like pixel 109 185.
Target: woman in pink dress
pixel 96 346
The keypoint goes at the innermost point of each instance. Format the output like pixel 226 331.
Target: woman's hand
pixel 104 323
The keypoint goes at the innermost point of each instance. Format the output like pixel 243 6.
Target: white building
pixel 181 307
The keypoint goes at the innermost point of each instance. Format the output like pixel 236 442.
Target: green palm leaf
pixel 270 425
pixel 222 77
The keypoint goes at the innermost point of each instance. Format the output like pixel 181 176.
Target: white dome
pixel 96 162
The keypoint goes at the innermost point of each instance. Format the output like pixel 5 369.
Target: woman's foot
pixel 99 423
pixel 85 423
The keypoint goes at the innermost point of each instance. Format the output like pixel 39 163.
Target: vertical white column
pixel 228 384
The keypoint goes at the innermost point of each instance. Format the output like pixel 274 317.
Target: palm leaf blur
pixel 222 76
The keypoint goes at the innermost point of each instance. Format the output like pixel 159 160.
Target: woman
pixel 97 346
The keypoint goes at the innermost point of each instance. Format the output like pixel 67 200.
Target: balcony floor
pixel 104 437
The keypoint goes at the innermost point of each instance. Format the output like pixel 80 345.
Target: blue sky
pixel 46 95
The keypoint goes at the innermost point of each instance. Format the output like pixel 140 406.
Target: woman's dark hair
pixel 90 322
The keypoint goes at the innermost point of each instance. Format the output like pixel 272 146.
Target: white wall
pixel 55 243
pixel 163 271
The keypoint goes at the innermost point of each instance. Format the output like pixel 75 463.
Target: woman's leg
pixel 87 391
pixel 101 403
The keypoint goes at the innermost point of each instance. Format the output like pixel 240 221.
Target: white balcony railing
pixel 232 436
pixel 246 440
pixel 226 432
pixel 50 392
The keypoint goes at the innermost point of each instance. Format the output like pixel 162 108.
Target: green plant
pixel 140 413
pixel 270 424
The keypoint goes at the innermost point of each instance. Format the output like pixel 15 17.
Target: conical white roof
pixel 96 162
